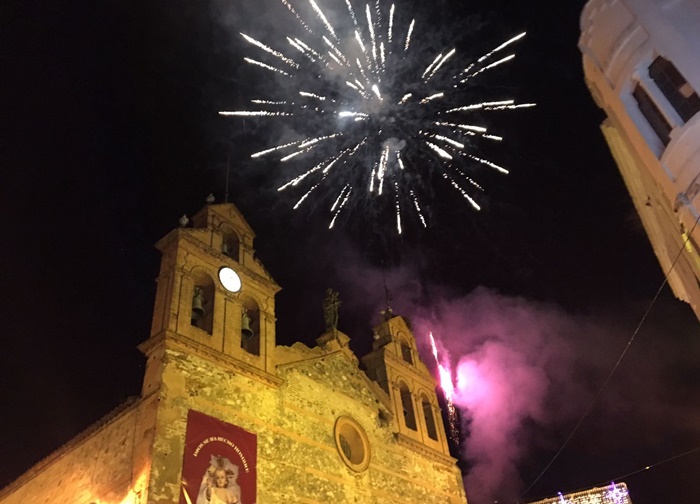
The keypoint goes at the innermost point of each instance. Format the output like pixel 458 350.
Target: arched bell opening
pixel 429 418
pixel 231 244
pixel 202 314
pixel 250 325
pixel 407 405
pixel 406 353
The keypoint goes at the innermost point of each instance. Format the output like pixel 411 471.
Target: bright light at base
pixel 615 493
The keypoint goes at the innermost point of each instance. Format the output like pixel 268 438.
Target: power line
pixel 619 360
pixel 656 464
pixel 643 469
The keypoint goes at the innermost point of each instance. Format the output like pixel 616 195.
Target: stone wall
pixel 294 421
pixel 104 464
pixel 135 455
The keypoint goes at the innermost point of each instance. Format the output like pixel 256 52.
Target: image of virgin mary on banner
pixel 218 465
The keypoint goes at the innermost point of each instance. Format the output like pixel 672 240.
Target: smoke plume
pixel 525 371
pixel 506 354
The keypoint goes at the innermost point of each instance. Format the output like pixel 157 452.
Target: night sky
pixel 110 132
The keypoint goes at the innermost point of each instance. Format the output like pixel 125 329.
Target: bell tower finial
pixel 228 172
pixel 387 313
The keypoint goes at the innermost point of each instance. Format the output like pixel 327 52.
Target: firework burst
pixel 376 117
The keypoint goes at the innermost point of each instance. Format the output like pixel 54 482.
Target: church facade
pixel 227 416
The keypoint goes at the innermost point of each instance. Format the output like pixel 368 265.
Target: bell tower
pixel 395 365
pixel 213 296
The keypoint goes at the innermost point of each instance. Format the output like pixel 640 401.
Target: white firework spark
pixel 408 35
pixel 431 97
pixel 488 67
pixel 270 50
pixel 321 15
pixel 279 147
pixel 253 113
pixel 373 108
pixel 441 152
pixel 266 66
pixel 391 22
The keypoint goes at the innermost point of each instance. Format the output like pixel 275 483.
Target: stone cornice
pixel 411 368
pixel 420 448
pixel 176 341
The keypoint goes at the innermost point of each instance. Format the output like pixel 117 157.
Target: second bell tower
pixel 396 366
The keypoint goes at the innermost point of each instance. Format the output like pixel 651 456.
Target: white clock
pixel 229 279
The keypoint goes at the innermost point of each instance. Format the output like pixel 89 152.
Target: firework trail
pixel 448 388
pixel 378 115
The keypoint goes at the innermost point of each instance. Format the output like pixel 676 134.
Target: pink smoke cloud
pixel 505 352
pixel 525 371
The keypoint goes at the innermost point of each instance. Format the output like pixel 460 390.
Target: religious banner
pixel 219 462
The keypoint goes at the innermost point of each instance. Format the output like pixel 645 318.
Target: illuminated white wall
pixel 621 40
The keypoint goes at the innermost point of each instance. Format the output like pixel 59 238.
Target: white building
pixel 641 59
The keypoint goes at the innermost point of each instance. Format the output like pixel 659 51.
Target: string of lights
pixel 656 464
pixel 613 493
pixel 619 360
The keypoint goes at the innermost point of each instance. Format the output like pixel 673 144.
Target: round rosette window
pixel 352 443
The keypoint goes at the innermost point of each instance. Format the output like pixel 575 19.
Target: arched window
pixel 406 351
pixel 407 405
pixel 429 418
pixel 230 245
pixel 202 315
pixel 675 88
pixel 250 325
pixel 652 114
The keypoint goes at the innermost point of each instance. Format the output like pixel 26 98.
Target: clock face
pixel 229 279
